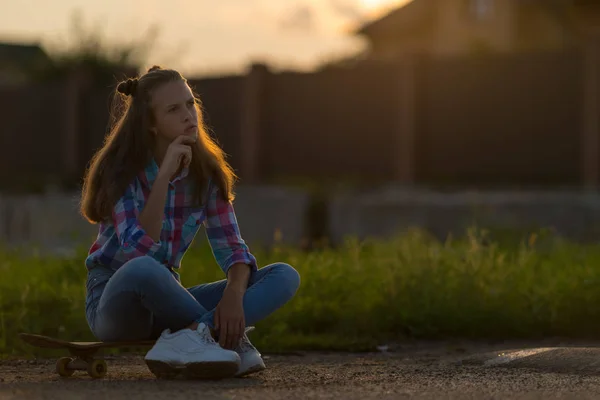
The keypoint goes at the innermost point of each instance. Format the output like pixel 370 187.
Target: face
pixel 175 111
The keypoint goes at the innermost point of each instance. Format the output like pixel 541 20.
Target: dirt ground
pixel 440 371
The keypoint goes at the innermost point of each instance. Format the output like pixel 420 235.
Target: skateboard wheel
pixel 97 369
pixel 62 367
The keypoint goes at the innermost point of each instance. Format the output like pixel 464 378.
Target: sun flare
pixel 373 5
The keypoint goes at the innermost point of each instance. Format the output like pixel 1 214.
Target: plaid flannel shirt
pixel 123 238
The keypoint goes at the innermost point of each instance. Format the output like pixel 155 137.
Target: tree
pixel 90 49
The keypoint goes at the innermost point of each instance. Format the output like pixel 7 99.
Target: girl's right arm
pixel 139 230
pixel 178 152
pixel 132 236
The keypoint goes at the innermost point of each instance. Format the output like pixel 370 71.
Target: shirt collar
pixel 151 172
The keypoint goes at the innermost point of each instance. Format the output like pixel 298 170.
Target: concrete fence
pixel 575 215
pixel 266 215
pixel 269 214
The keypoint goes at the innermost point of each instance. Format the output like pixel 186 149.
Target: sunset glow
pixel 377 5
pixel 374 4
pixel 203 35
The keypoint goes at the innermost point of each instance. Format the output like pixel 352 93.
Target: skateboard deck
pixel 82 353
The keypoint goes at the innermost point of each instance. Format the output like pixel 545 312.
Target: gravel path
pixel 423 372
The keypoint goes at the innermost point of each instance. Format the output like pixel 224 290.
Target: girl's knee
pixel 142 268
pixel 290 278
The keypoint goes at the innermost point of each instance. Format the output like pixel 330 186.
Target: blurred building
pixel 460 27
pixel 19 62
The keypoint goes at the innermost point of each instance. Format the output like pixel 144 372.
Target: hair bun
pixel 154 68
pixel 128 87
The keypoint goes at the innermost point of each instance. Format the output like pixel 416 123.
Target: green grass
pixel 359 295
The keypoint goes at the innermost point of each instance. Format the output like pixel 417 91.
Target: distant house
pixel 19 62
pixel 456 27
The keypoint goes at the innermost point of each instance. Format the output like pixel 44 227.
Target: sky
pixel 204 36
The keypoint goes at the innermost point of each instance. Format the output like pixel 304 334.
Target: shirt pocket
pixel 190 229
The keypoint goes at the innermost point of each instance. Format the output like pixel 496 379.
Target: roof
pixel 22 54
pixel 416 12
pixel 410 14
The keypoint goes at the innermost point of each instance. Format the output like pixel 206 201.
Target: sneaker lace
pixel 206 336
pixel 245 344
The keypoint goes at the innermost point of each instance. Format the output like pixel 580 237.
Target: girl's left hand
pixel 229 319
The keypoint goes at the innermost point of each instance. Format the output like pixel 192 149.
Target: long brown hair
pixel 129 145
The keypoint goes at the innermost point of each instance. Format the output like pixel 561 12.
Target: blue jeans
pixel 143 298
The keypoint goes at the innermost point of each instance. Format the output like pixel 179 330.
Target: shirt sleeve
pixel 223 233
pixel 133 239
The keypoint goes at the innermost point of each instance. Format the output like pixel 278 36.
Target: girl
pixel 157 178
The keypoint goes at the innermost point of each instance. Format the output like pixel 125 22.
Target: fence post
pixel 404 161
pixel 250 135
pixel 591 114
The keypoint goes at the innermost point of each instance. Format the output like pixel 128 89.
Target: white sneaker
pixel 193 352
pixel 250 359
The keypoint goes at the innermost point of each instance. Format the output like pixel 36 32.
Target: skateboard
pixel 82 353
